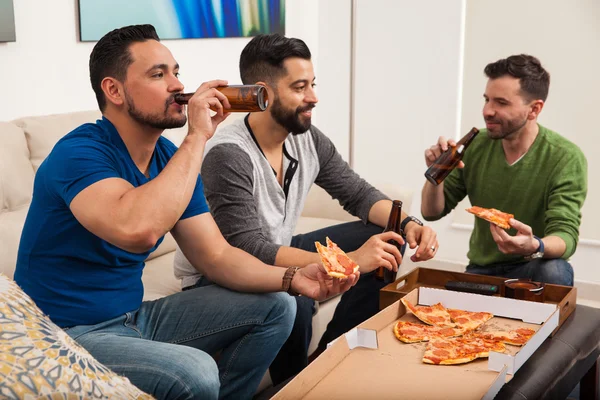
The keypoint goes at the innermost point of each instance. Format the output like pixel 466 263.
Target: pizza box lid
pixel 369 361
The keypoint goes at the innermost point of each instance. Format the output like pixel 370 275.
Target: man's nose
pixel 175 84
pixel 488 110
pixel 311 96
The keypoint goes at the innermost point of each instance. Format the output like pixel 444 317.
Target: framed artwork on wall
pixel 183 19
pixel 7 21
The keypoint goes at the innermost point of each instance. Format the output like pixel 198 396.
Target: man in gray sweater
pixel 257 173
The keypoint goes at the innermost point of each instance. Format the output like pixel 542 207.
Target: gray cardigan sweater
pixel 252 210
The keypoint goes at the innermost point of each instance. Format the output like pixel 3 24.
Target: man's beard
pixel 155 121
pixel 290 119
pixel 507 128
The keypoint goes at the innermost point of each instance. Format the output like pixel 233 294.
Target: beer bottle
pixel 394 222
pixel 439 170
pixel 243 98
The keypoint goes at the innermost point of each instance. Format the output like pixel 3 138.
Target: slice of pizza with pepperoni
pixel 492 215
pixel 410 332
pixel 433 315
pixel 459 350
pixel 336 262
pixel 517 337
pixel 469 320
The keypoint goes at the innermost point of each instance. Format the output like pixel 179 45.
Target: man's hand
pixel 376 252
pixel 435 151
pixel 425 238
pixel 312 281
pixel 522 243
pixel 200 120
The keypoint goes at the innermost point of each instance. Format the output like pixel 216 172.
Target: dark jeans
pixel 555 271
pixel 356 305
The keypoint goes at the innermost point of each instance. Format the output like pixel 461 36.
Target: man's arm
pixel 432 200
pixel 135 218
pixel 203 245
pixel 363 200
pixel 227 173
pixel 355 194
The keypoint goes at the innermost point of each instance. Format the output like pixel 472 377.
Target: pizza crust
pixel 496 217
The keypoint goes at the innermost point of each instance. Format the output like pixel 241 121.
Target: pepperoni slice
pixel 447 331
pixel 441 345
pixel 441 353
pixel 525 331
pixel 346 263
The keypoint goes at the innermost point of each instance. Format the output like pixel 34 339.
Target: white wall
pixel 406 87
pixel 333 73
pixel 46 70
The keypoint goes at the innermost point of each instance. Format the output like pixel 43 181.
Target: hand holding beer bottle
pixel 446 155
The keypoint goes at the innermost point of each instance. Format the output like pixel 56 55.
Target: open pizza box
pixel 369 362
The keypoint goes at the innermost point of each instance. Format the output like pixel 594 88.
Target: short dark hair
pixel 111 55
pixel 262 58
pixel 534 79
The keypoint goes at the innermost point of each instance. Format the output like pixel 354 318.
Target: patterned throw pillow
pixel 38 360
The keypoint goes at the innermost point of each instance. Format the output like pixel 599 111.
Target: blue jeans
pixel 555 271
pixel 165 346
pixel 359 303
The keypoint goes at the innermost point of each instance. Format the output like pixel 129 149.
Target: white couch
pixel 25 143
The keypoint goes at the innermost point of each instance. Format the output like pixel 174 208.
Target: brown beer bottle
pixel 394 222
pixel 439 170
pixel 243 98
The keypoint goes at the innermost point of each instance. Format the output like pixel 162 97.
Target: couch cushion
pixel 159 279
pixel 43 132
pixel 16 173
pixel 16 183
pixel 11 225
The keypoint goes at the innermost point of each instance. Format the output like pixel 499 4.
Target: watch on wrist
pixel 286 284
pixel 408 219
pixel 539 253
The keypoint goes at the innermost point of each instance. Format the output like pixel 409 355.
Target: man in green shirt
pixel 519 167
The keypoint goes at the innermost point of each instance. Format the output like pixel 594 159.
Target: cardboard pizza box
pixel 565 297
pixel 369 362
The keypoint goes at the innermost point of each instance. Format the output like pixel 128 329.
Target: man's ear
pixel 536 109
pixel 270 91
pixel 113 90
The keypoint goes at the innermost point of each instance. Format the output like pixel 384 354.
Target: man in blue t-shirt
pixel 103 201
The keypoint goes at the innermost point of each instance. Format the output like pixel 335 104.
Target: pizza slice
pixel 469 320
pixel 492 215
pixel 459 350
pixel 336 262
pixel 432 315
pixel 517 337
pixel 410 332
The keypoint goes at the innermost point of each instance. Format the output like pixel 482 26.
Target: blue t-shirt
pixel 74 276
